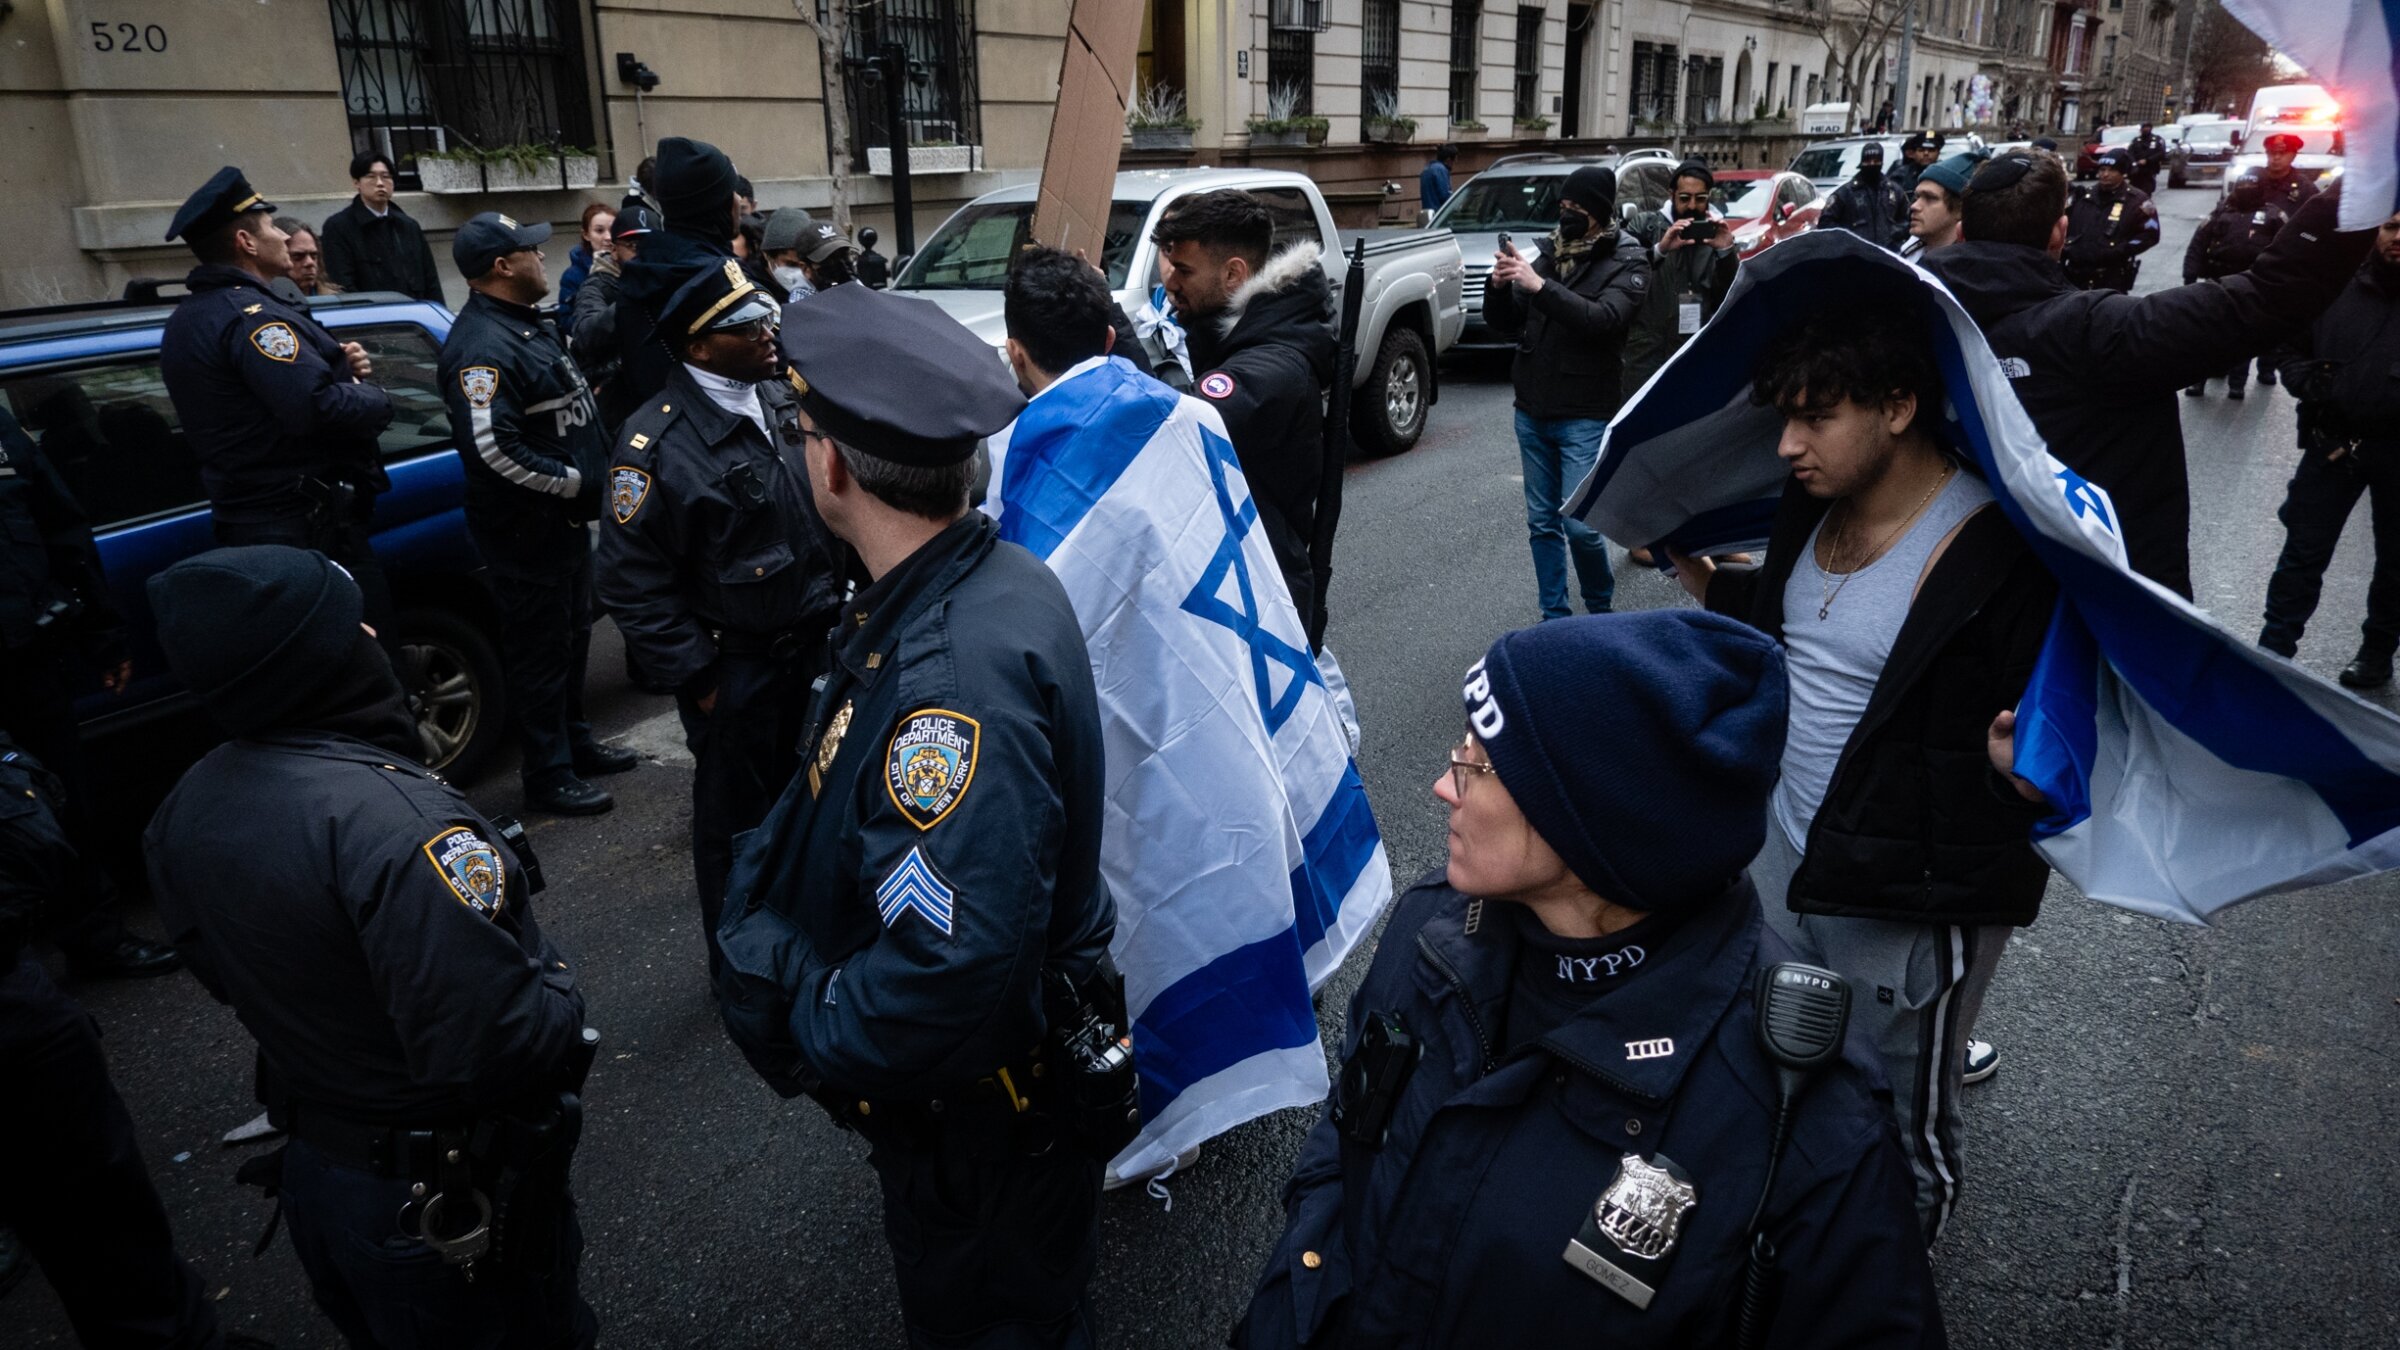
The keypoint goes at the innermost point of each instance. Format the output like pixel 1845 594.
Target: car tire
pixel 452 673
pixel 1387 413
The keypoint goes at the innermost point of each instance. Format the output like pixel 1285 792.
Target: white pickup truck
pixel 1410 313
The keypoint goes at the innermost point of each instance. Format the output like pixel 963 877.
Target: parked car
pixel 1829 164
pixel 1518 195
pixel 1410 314
pixel 84 381
pixel 2087 163
pixel 2202 152
pixel 1764 207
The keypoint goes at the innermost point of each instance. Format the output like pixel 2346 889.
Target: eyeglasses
pixel 751 331
pixel 1461 766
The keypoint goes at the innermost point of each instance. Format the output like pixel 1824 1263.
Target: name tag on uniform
pixel 1687 314
pixel 1629 1234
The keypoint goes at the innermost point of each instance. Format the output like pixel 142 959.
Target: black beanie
pixel 694 181
pixel 1692 168
pixel 254 631
pixel 1592 187
pixel 1603 726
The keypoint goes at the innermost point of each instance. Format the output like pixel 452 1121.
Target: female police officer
pixel 1555 1117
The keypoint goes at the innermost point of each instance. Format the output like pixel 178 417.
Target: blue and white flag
pixel 1245 861
pixel 2191 769
pixel 2349 45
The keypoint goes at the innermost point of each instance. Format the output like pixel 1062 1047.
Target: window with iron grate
pixel 440 75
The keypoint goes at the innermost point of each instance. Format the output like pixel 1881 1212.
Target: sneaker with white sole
pixel 1983 1060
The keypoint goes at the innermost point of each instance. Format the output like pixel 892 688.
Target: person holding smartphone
pixel 1692 262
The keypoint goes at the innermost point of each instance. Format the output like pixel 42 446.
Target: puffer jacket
pixel 1571 333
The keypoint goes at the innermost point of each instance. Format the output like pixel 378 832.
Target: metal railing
pixel 940 103
pixel 435 75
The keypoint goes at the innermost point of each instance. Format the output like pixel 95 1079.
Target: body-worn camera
pixel 1373 1079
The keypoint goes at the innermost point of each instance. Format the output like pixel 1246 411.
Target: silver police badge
pixel 1635 1223
pixel 471 868
pixel 931 764
pixel 276 341
pixel 479 383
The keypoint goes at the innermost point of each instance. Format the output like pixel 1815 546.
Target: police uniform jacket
pixel 1455 1231
pixel 47 554
pixel 2343 366
pixel 2101 372
pixel 529 434
pixel 2232 238
pixel 2107 230
pixel 887 925
pixel 711 540
pixel 372 930
pixel 1876 212
pixel 2293 189
pixel 266 399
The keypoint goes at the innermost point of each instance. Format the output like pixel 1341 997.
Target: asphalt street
pixel 2186 1145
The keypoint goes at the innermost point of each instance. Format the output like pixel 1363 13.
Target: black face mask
pixel 1573 225
pixel 1871 171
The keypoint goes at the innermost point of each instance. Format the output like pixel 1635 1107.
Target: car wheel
pixel 451 671
pixel 1387 413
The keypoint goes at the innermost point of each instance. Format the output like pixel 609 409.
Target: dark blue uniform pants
pixel 992 1249
pixel 2315 508
pixel 545 639
pixel 743 750
pixel 385 1290
pixel 73 1185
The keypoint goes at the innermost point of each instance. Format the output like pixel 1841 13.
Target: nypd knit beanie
pixel 255 631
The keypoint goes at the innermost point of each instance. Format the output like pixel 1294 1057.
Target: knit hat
pixel 783 230
pixel 694 180
pixel 1692 168
pixel 1600 724
pixel 1592 187
pixel 1952 173
pixel 254 631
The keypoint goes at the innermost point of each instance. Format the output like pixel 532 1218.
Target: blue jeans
pixel 1557 454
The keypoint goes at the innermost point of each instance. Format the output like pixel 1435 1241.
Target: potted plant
pixel 1532 126
pixel 1383 121
pixel 1316 129
pixel 1468 130
pixel 450 171
pixel 1157 120
pixel 1283 125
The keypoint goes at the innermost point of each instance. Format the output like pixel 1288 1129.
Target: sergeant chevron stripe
pixel 914 885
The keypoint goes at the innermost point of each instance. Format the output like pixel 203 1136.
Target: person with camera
pixel 1692 264
pixel 2340 369
pixel 1556 1117
pixel 917 936
pixel 419 1040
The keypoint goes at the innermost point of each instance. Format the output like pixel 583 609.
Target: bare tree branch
pixel 833 40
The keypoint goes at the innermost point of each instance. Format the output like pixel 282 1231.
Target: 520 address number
pixel 127 37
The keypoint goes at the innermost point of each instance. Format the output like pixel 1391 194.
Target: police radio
pixel 1802 1013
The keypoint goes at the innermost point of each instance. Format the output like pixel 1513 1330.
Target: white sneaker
pixel 251 1131
pixel 1983 1060
pixel 1181 1162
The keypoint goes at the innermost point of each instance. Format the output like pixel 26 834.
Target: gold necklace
pixel 1834 592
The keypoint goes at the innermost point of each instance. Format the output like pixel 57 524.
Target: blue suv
pixel 84 382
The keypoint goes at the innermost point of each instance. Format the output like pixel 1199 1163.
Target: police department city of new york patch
pixel 276 341
pixel 471 869
pixel 479 383
pixel 932 761
pixel 1630 1233
pixel 627 490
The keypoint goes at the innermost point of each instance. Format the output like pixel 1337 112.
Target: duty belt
pixel 399 1152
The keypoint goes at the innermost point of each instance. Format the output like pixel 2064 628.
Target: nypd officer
pixel 2109 228
pixel 278 413
pixel 714 563
pixel 911 919
pixel 418 1038
pixel 519 404
pixel 1555 1120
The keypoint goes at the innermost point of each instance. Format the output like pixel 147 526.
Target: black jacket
pixel 2231 239
pixel 368 926
pixel 47 556
pixel 1699 270
pixel 1876 211
pixel 1571 334
pixel 39 873
pixel 887 926
pixel 1455 1231
pixel 529 434
pixel 2107 232
pixel 266 398
pixel 2345 367
pixel 1264 363
pixel 2099 372
pixel 1915 826
pixel 364 252
pixel 712 535
pixel 663 261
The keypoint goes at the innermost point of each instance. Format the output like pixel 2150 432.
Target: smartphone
pixel 1702 228
pixel 1506 244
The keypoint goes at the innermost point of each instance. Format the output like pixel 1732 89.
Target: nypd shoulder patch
pixel 627 490
pixel 276 341
pixel 914 885
pixel 931 764
pixel 479 384
pixel 471 868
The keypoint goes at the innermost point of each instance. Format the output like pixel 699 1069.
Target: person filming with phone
pixel 1692 262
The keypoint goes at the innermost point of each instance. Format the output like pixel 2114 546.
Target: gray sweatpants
pixel 1914 992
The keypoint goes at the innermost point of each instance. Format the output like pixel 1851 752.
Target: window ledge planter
pixel 1390 131
pixel 1468 131
pixel 1263 137
pixel 1533 126
pixel 1162 138
pixel 927 159
pixel 556 173
pixel 449 175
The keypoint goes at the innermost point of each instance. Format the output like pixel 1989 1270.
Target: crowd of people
pixel 1557 1115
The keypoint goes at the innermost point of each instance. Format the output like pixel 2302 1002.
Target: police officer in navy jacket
pixel 1575 1156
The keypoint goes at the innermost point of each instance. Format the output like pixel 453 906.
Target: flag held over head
pixel 2349 45
pixel 2190 769
pixel 1238 841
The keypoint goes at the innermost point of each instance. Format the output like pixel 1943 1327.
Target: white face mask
pixel 791 278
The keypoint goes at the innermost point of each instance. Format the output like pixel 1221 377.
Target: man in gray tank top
pixel 1911 614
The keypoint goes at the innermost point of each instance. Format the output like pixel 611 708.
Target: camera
pixel 635 73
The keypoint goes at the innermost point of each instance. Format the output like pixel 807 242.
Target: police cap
pixel 2282 140
pixel 894 377
pixel 719 295
pixel 2114 159
pixel 487 238
pixel 226 197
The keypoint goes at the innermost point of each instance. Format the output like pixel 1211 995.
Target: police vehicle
pixel 84 382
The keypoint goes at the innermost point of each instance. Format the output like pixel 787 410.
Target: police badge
pixel 932 761
pixel 627 490
pixel 1638 1221
pixel 471 868
pixel 479 383
pixel 276 341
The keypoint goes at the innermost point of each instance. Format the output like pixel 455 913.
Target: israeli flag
pixel 1245 861
pixel 2191 769
pixel 2348 45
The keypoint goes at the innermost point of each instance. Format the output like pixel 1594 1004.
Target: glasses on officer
pixel 1464 765
pixel 754 331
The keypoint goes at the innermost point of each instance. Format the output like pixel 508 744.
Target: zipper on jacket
pixel 1458 985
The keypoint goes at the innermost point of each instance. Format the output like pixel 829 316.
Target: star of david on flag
pixel 1207 599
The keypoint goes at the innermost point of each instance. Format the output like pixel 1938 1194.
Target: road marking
pixel 658 738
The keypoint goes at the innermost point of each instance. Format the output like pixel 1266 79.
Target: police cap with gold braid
pixel 719 295
pixel 227 196
pixel 894 377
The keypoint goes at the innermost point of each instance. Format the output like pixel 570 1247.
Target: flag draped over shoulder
pixel 1238 841
pixel 2191 769
pixel 2349 45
